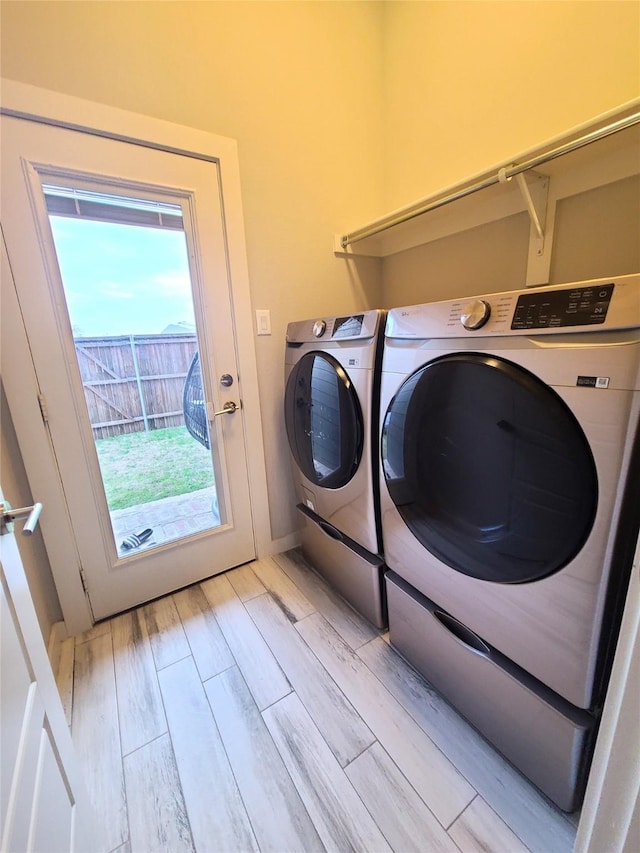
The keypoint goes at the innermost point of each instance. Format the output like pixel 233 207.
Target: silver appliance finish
pixel 353 572
pixel 543 735
pixel 350 508
pixel 551 628
pixel 340 527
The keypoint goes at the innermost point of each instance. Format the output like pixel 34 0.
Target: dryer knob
pixel 319 328
pixel 475 314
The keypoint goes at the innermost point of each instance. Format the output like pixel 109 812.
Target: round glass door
pixel 489 468
pixel 323 420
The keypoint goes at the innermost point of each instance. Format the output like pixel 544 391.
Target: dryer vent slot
pixel 330 531
pixel 462 633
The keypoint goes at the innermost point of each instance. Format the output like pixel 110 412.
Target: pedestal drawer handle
pixel 462 633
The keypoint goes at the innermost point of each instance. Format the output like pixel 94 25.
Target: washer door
pixel 489 468
pixel 324 421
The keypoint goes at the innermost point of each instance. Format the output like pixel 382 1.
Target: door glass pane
pixel 125 273
pixel 489 469
pixel 323 421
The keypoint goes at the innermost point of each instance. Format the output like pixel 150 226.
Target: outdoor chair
pixel 193 403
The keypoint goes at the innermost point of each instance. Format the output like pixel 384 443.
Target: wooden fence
pixel 134 382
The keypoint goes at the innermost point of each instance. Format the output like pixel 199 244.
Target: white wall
pixel 470 84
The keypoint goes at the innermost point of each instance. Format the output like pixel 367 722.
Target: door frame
pixel 43 106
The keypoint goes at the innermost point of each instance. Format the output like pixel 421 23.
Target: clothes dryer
pixel 332 375
pixel 509 513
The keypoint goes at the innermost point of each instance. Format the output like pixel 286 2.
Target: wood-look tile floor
pixel 258 711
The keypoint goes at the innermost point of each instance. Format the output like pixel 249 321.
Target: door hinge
pixel 83 579
pixel 43 408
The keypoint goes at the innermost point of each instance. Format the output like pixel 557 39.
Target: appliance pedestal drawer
pixel 348 568
pixel 543 735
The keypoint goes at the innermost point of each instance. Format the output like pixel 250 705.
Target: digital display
pixel 579 306
pixel 348 327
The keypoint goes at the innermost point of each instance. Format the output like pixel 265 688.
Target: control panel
pixel 612 303
pixel 580 306
pixel 350 327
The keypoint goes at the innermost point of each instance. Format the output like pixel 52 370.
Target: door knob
pixel 228 409
pixel 8 515
pixel 226 379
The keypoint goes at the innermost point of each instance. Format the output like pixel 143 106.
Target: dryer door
pixel 489 468
pixel 324 420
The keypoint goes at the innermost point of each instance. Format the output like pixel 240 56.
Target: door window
pixel 323 421
pixel 489 468
pixel 124 268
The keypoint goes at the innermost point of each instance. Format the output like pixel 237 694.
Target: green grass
pixel 148 466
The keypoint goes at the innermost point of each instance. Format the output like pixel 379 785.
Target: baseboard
pixel 57 634
pixel 285 543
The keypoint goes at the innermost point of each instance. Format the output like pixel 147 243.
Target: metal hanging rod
pixel 500 176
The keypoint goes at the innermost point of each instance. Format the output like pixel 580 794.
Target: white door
pixel 119 259
pixel 43 802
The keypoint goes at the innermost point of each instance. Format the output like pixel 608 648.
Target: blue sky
pixel 122 279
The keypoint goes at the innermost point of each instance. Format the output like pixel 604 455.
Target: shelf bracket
pixel 535 195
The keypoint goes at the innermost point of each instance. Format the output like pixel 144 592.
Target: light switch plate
pixel 263 321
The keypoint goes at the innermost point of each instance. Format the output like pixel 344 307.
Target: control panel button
pixel 319 328
pixel 475 314
pixel 548 309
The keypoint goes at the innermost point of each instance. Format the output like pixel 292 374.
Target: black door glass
pixel 489 468
pixel 323 420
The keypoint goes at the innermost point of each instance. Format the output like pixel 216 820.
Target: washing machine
pixel 509 434
pixel 331 407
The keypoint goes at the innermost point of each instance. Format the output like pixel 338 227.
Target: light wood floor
pixel 257 711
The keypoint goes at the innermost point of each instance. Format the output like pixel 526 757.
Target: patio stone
pixel 169 518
